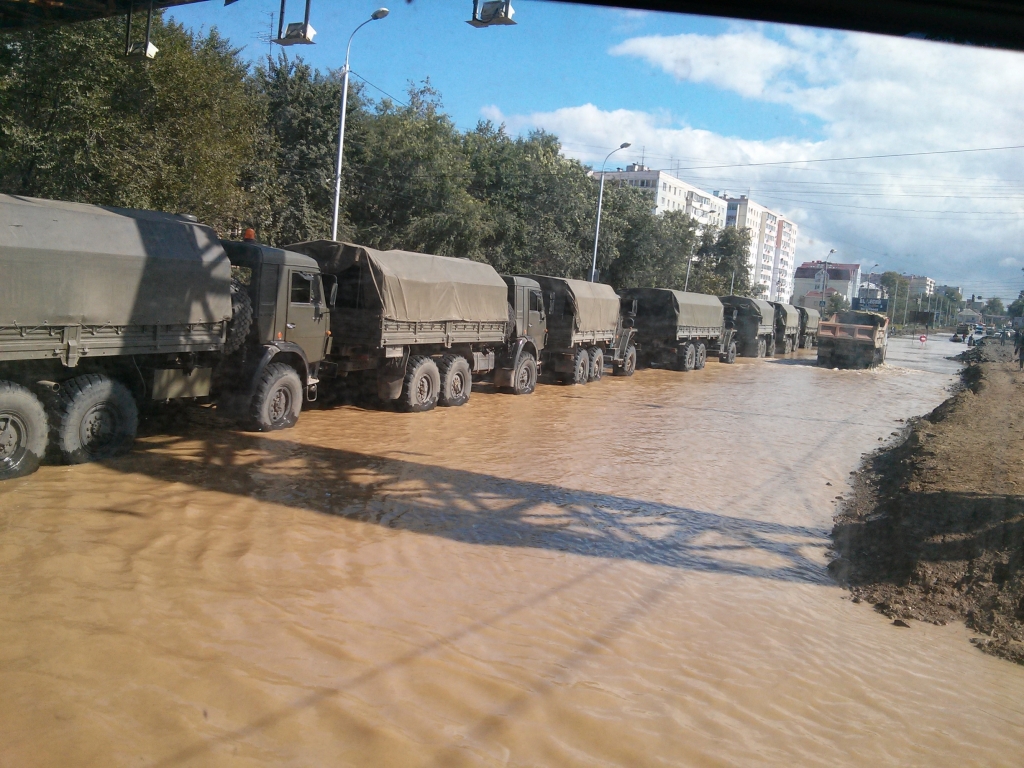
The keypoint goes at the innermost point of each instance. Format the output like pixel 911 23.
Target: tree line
pixel 200 130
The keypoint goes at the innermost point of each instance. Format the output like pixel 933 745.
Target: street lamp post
pixel 377 15
pixel 600 199
pixel 824 282
pixel 906 304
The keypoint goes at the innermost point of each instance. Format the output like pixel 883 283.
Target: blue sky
pixel 693 92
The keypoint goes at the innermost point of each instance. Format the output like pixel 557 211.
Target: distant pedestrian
pixel 1020 358
pixel 1002 339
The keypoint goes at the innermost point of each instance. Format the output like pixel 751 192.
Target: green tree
pixel 836 303
pixel 994 306
pixel 1016 308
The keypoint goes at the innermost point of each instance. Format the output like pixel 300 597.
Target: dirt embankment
pixel 934 530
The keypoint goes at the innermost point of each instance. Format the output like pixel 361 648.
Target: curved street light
pixel 377 15
pixel 600 199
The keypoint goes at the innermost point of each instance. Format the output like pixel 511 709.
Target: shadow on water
pixel 478 508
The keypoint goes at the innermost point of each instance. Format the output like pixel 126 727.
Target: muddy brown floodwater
pixel 627 573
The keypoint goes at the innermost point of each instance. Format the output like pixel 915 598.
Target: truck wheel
pixel 730 354
pixel 95 418
pixel 628 365
pixel 762 348
pixel 456 380
pixel 702 356
pixel 241 317
pixel 23 431
pixel 278 399
pixel 580 367
pixel 686 359
pixel 787 346
pixel 595 357
pixel 421 387
pixel 524 380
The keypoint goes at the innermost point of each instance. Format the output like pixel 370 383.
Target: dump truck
pixel 853 339
pixel 787 327
pixel 679 330
pixel 106 309
pixel 809 319
pixel 754 321
pixel 587 330
pixel 424 326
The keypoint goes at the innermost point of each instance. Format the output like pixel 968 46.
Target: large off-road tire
pixel 730 354
pixel 94 418
pixel 762 348
pixel 702 356
pixel 524 378
pixel 686 359
pixel 580 367
pixel 596 362
pixel 628 365
pixel 278 399
pixel 787 346
pixel 422 385
pixel 456 380
pixel 241 317
pixel 23 431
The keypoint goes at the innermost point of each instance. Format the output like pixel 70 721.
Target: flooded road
pixel 626 573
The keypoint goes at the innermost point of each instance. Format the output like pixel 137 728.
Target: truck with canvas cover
pixel 787 327
pixel 104 309
pixel 423 326
pixel 586 330
pixel 809 319
pixel 676 329
pixel 754 321
pixel 853 339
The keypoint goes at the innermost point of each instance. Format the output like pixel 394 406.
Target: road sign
pixel 922 338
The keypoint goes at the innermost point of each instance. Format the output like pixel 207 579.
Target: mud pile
pixel 934 530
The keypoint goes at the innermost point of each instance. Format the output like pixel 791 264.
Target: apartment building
pixel 921 286
pixel 766 244
pixel 784 268
pixel 807 285
pixel 669 193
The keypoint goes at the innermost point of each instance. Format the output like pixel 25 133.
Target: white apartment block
pixel 784 269
pixel 671 194
pixel 744 213
pixel 921 286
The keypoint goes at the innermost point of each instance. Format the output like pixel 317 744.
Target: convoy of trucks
pixel 106 310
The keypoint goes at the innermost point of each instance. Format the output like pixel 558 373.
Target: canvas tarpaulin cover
pixel 813 318
pixel 595 306
pixel 685 309
pixel 419 287
pixel 790 317
pixel 75 264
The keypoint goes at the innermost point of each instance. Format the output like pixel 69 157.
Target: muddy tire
pixel 278 399
pixel 93 418
pixel 580 367
pixel 456 381
pixel 524 378
pixel 730 354
pixel 628 365
pixel 702 356
pixel 595 357
pixel 686 358
pixel 23 431
pixel 762 348
pixel 787 346
pixel 241 317
pixel 422 385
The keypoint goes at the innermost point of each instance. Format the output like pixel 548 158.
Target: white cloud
pixel 957 217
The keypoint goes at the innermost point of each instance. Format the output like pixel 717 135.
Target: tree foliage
pixel 198 130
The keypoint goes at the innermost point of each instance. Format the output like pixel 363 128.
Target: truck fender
pixel 269 353
pixel 506 368
pixel 391 377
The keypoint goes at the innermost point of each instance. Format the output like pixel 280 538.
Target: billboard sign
pixel 870 305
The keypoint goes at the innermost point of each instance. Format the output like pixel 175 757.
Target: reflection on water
pixel 626 573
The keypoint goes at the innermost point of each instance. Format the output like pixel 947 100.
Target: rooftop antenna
pixel 643 154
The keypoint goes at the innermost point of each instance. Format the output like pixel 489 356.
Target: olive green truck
pixel 754 321
pixel 105 309
pixel 677 329
pixel 424 326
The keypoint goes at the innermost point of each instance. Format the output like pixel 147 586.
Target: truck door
pixel 536 326
pixel 305 323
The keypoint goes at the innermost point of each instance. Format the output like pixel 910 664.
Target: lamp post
pixel 377 15
pixel 906 304
pixel 824 282
pixel 600 199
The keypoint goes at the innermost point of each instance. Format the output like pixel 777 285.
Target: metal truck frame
pixel 104 309
pixel 680 330
pixel 427 325
pixel 586 330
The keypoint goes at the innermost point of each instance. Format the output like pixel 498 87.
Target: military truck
pixel 853 339
pixel 425 325
pixel 586 330
pixel 754 321
pixel 787 327
pixel 809 319
pixel 104 309
pixel 676 329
